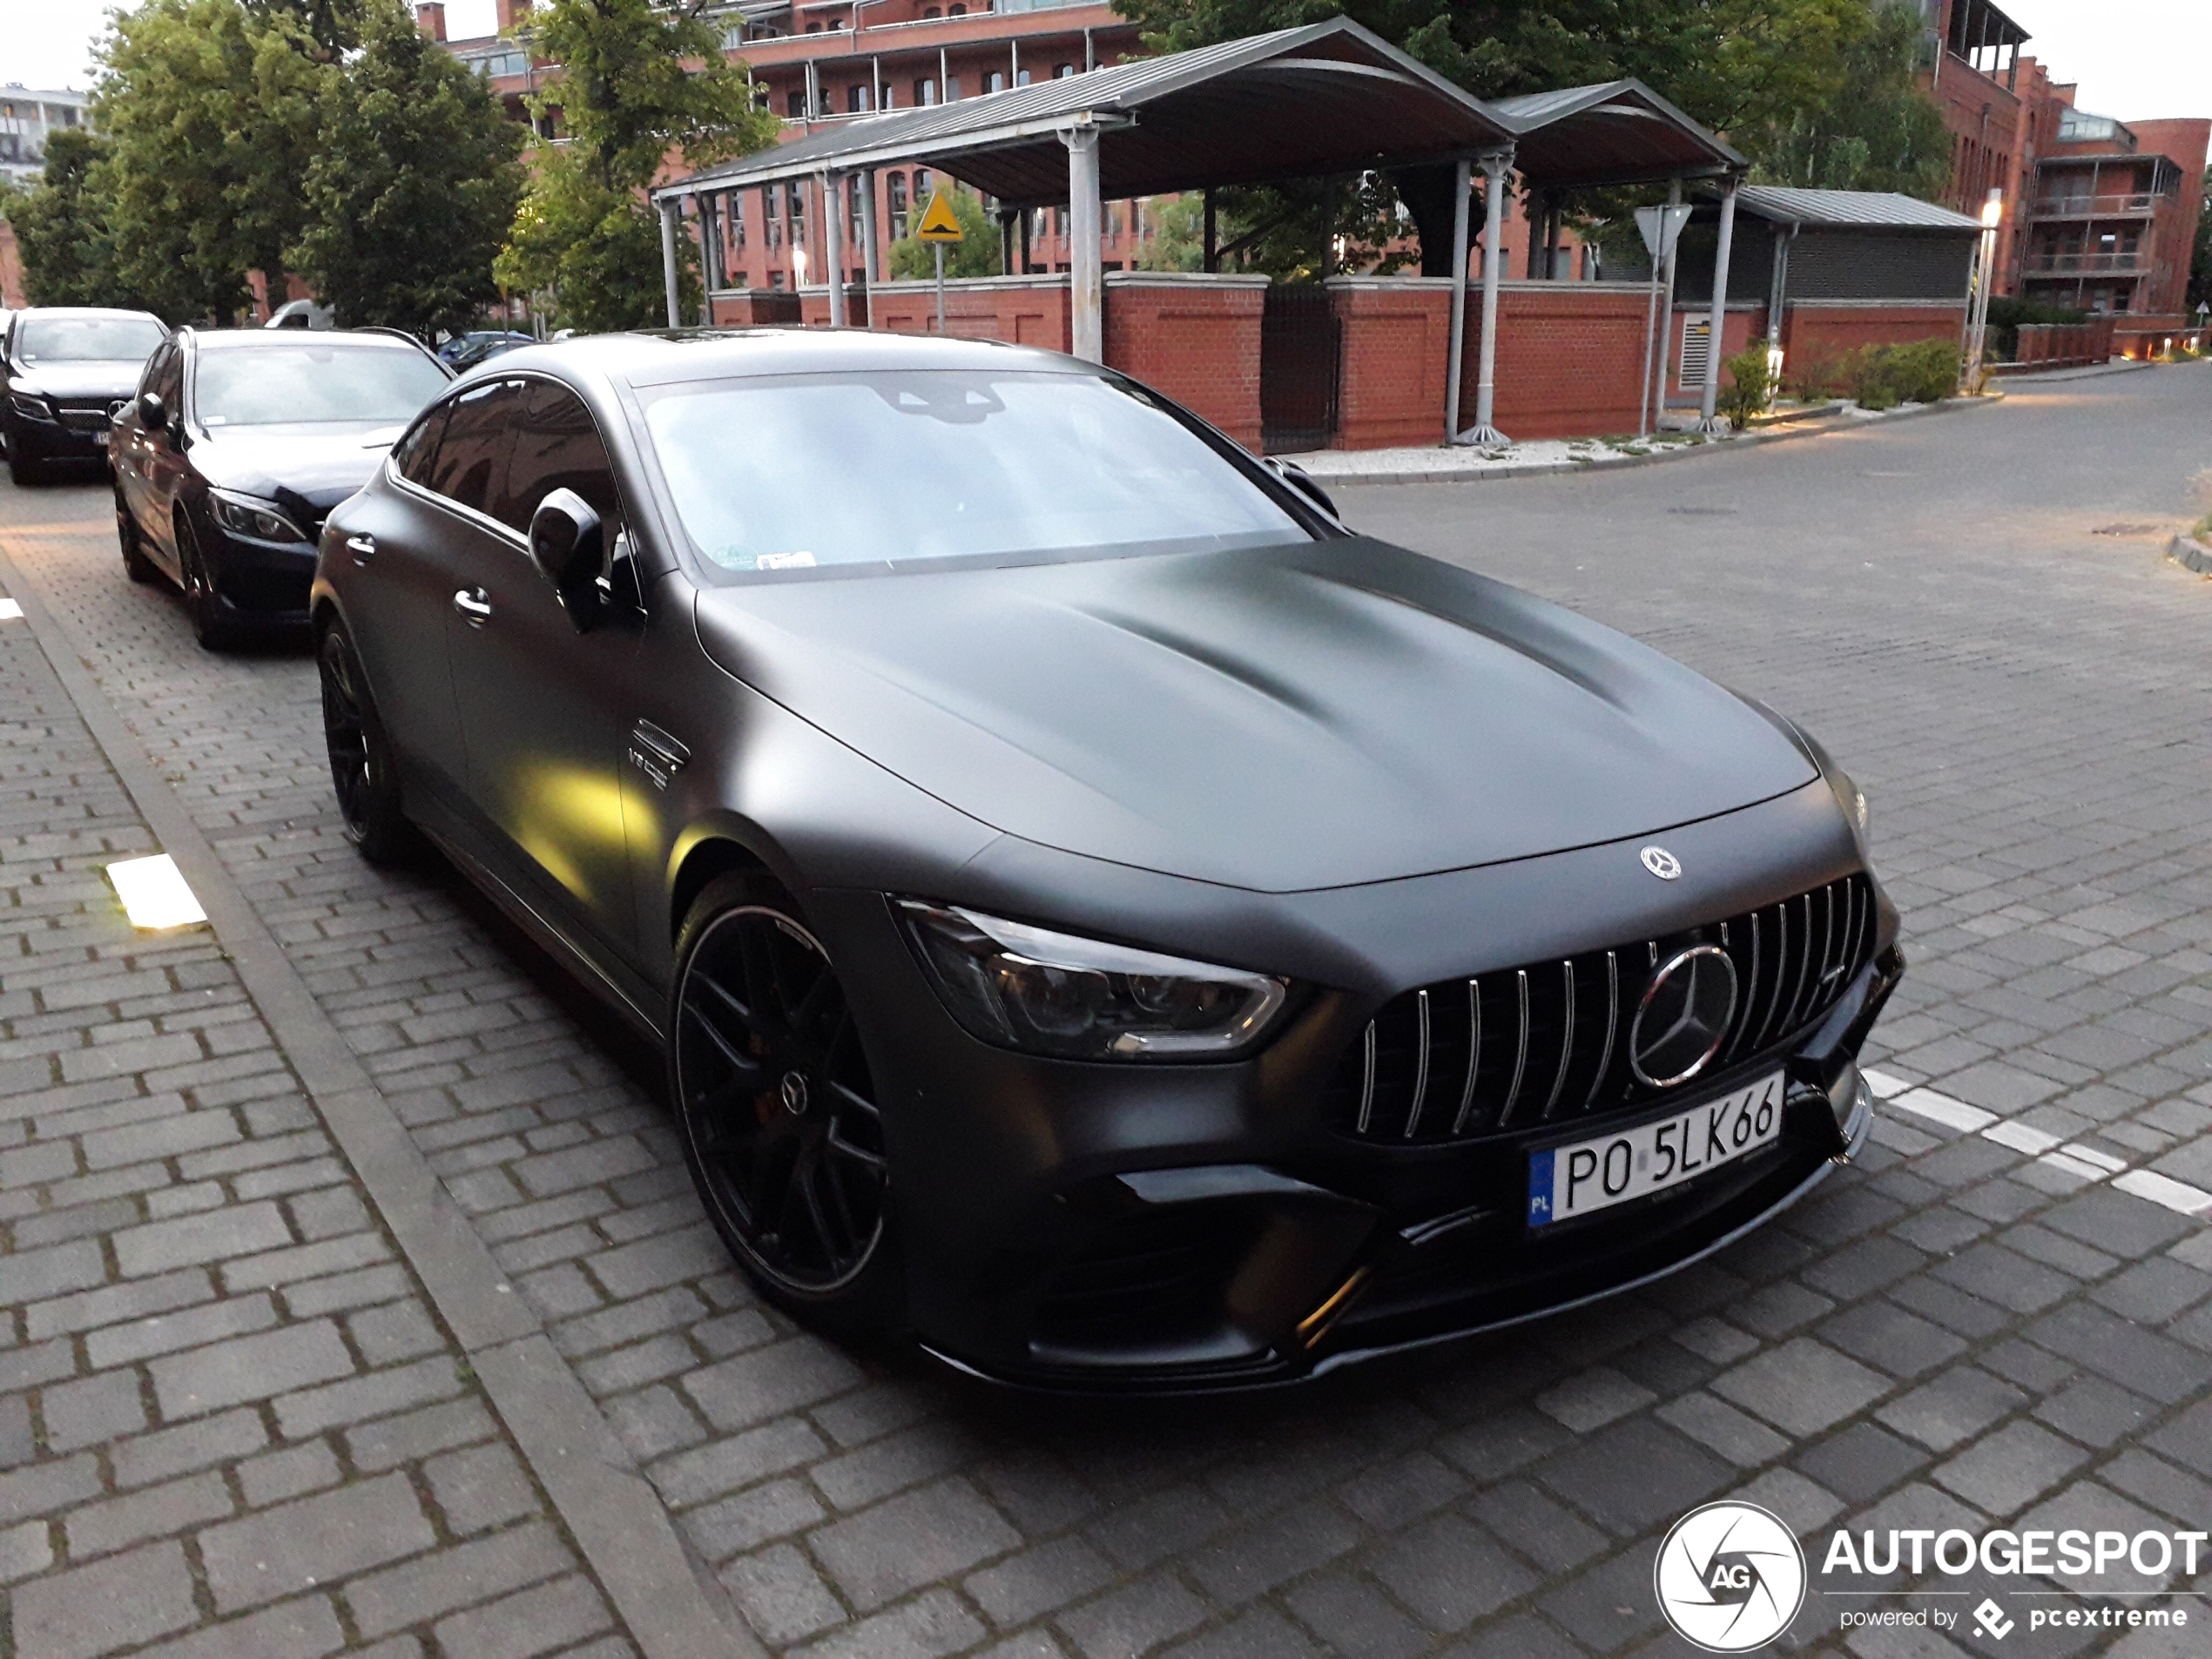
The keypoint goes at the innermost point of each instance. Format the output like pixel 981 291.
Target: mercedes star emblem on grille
pixel 1661 862
pixel 1684 1017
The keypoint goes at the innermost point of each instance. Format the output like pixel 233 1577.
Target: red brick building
pixel 2100 214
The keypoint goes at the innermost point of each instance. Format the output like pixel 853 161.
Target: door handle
pixel 361 547
pixel 473 603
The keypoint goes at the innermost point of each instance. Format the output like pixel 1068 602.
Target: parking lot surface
pixel 1998 1317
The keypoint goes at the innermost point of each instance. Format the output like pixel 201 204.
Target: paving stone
pixel 535 1621
pixel 97 1528
pixel 108 1604
pixel 456 1578
pixel 238 1230
pixel 275 1476
pixel 1353 1617
pixel 484 1485
pixel 1450 1573
pixel 318 1540
pixel 782 1596
pixel 1133 1619
pixel 254 1367
pixel 932 1624
pixel 192 1445
pixel 305 1628
pixel 167 1332
pixel 92 1410
pixel 909 1541
pixel 1801 1387
pixel 2004 1472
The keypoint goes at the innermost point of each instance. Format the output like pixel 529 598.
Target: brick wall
pixel 1193 337
pixel 1027 311
pixel 753 307
pixel 11 268
pixel 1813 334
pixel 1390 384
pixel 1570 356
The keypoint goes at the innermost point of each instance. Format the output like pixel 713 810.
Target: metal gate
pixel 1300 349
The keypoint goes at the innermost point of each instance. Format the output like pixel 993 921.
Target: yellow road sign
pixel 939 223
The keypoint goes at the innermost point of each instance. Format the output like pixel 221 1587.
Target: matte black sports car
pixel 63 371
pixel 236 446
pixel 1102 915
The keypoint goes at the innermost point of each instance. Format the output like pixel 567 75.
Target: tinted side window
pixel 150 375
pixel 169 379
pixel 414 455
pixel 472 456
pixel 555 447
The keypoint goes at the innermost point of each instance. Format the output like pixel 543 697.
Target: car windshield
pixel 301 381
pixel 808 470
pixel 86 340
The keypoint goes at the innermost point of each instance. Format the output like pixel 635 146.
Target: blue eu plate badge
pixel 1539 1189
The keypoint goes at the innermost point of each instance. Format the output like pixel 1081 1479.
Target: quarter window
pixel 555 447
pixel 472 458
pixel 414 455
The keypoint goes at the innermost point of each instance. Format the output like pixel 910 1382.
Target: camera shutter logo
pixel 1729 1577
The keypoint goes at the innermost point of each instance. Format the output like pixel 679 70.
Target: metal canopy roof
pixel 1616 132
pixel 1331 98
pixel 1852 209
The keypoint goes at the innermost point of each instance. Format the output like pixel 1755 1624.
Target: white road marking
pixel 10 610
pixel 2084 1162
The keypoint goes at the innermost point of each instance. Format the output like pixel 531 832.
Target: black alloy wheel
pixel 780 1123
pixel 136 564
pixel 363 770
pixel 209 625
pixel 23 470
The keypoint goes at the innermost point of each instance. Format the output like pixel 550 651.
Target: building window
pixel 795 105
pixel 952 89
pixel 897 188
pixel 925 91
pixel 929 12
pixel 1022 79
pixel 885 98
pixel 995 81
pixel 1061 71
pixel 735 203
pixel 856 98
pixel 956 11
pixel 852 205
pixel 813 29
pixel 923 184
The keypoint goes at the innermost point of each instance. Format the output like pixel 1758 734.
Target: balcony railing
pixel 2084 264
pixel 2087 206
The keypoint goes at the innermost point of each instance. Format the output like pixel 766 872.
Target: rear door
pixel 407 542
pixel 542 704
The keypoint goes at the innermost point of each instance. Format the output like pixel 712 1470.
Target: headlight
pixel 244 516
pixel 1849 797
pixel 1024 988
pixel 30 405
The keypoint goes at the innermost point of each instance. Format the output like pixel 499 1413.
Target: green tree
pixel 640 84
pixel 61 230
pixel 1874 130
pixel 213 113
pixel 413 187
pixel 977 253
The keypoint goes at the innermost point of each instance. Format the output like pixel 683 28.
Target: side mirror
pixel 154 411
pixel 568 544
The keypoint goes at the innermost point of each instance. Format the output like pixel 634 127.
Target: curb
pixel 617 1520
pixel 1802 427
pixel 2190 553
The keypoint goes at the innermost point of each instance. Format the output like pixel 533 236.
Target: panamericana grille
pixel 1548 1043
pixel 80 415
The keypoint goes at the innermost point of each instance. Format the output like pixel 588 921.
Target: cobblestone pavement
pixel 1967 1328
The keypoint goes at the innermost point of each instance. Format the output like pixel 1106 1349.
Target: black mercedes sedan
pixel 64 371
pixel 237 445
pixel 1102 916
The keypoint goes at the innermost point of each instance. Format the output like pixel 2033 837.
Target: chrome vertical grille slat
pixel 1421 1063
pixel 1794 960
pixel 1474 1055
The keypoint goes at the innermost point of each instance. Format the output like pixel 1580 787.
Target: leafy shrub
pixel 1750 387
pixel 1881 377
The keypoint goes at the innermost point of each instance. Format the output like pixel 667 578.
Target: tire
pixel 363 770
pixel 136 564
pixel 23 472
pixel 780 1126
pixel 210 626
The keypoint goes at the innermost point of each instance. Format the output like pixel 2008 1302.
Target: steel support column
pixel 668 211
pixel 1087 279
pixel 834 213
pixel 1484 431
pixel 1462 186
pixel 1708 422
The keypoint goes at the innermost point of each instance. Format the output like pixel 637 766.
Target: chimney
pixel 511 14
pixel 430 19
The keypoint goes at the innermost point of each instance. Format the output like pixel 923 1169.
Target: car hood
pixel 96 378
pixel 1283 718
pixel 304 468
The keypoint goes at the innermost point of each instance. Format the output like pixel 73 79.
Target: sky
pixel 2144 58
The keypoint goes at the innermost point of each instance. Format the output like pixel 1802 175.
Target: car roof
pixel 250 338
pixel 86 311
pixel 665 357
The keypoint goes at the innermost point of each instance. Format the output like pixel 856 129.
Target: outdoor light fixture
pixel 154 893
pixel 1992 211
pixel 798 268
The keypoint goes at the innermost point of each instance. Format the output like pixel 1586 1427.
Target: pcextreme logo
pixel 1729 1577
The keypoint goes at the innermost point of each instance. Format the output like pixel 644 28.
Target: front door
pixel 543 705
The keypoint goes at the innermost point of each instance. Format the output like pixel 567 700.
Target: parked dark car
pixel 64 371
pixel 237 445
pixel 1102 915
pixel 466 351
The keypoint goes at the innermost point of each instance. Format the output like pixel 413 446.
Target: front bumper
pixel 1196 1228
pixel 48 440
pixel 260 582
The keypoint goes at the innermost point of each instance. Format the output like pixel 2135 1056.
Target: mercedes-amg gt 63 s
pixel 1104 917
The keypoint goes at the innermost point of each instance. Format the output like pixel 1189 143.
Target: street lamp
pixel 1993 215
